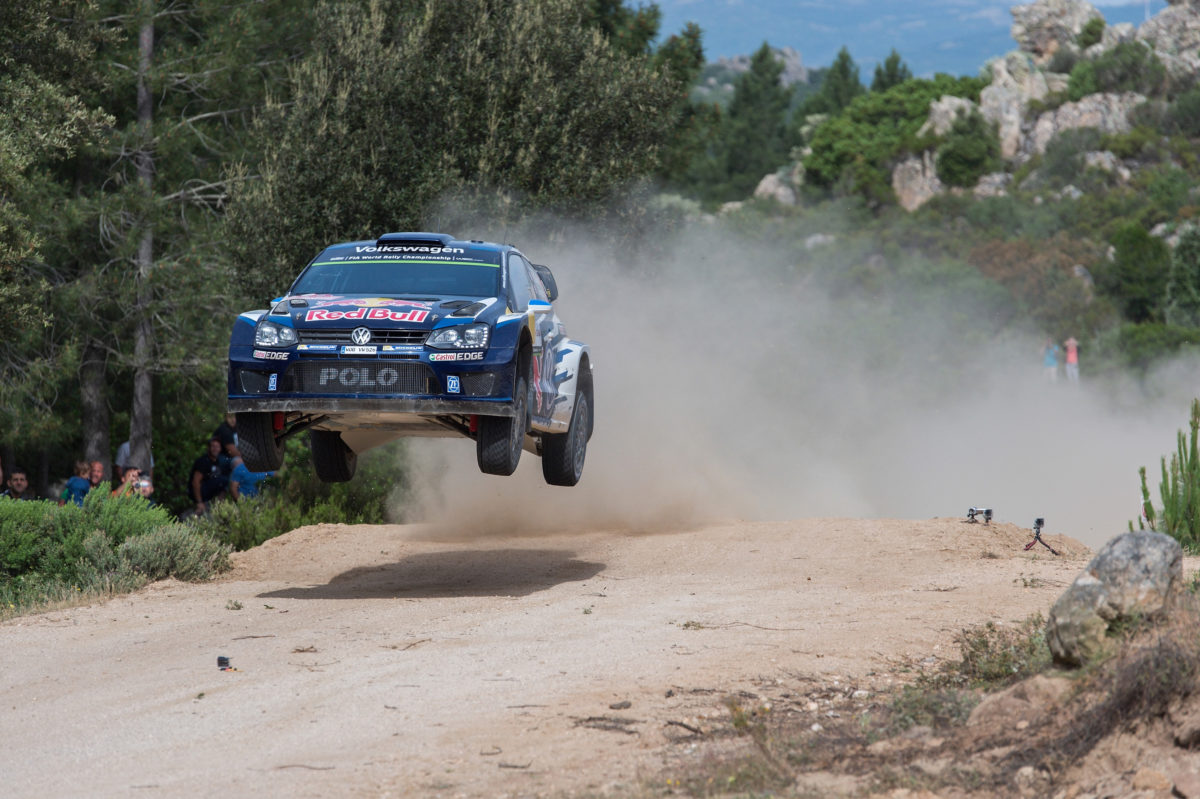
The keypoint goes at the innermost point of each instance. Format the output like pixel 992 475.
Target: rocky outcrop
pixel 1136 575
pixel 1113 35
pixel 993 185
pixel 1108 113
pixel 915 181
pixel 1045 27
pixel 1106 161
pixel 1174 33
pixel 1015 81
pixel 943 112
pixel 794 70
pixel 775 188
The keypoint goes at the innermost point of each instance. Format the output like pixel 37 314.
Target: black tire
pixel 500 438
pixel 257 443
pixel 563 453
pixel 333 461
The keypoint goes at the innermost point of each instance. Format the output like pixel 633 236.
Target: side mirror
pixel 540 306
pixel 547 278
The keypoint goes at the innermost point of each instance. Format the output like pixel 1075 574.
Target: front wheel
pixel 333 461
pixel 563 453
pixel 500 438
pixel 257 444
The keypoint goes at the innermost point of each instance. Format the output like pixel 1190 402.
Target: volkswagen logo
pixel 361 335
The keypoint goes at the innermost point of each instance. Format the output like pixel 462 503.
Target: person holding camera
pixel 134 483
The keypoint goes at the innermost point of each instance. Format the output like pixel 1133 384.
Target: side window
pixel 535 282
pixel 519 290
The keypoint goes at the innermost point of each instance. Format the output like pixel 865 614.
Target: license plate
pixel 366 349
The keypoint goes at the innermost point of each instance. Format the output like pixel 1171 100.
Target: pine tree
pixel 891 72
pixel 840 87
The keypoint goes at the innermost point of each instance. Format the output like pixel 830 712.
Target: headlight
pixel 269 334
pixel 466 337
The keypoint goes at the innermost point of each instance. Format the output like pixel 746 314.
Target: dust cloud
pixel 731 383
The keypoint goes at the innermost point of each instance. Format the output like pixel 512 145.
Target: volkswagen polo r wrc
pixel 414 334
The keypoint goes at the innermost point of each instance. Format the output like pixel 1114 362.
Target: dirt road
pixel 373 661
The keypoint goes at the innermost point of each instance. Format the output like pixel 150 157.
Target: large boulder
pixel 775 188
pixel 1174 33
pixel 943 112
pixel 915 181
pixel 1135 576
pixel 1015 81
pixel 1108 113
pixel 1044 27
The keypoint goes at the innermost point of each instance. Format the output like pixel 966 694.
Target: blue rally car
pixel 414 334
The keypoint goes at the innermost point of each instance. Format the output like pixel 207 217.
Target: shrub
pixel 994 655
pixel 1092 33
pixel 1184 113
pixel 46 538
pixel 970 151
pixel 1128 67
pixel 1137 277
pixel 55 555
pixel 1062 162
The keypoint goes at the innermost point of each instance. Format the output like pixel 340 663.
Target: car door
pixel 546 331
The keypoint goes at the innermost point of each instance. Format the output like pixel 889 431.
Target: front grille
pixel 360 377
pixel 342 336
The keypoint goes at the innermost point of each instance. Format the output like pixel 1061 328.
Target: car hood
pixel 308 311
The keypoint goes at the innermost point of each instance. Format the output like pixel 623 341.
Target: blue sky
pixel 955 36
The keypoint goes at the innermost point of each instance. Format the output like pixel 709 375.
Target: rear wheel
pixel 500 438
pixel 563 453
pixel 257 443
pixel 333 461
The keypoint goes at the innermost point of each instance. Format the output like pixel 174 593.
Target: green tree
pixel 132 244
pixel 853 152
pixel 42 120
pixel 481 98
pixel 681 57
pixel 970 151
pixel 839 88
pixel 1136 279
pixel 631 31
pixel 753 139
pixel 892 72
pixel 1183 283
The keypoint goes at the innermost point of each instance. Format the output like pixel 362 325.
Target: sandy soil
pixel 374 661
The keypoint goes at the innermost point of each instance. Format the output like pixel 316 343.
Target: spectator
pixel 77 485
pixel 129 478
pixel 96 473
pixel 1072 348
pixel 246 480
pixel 227 433
pixel 18 485
pixel 210 477
pixel 135 483
pixel 122 462
pixel 1050 360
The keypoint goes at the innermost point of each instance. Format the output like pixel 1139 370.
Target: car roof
pixel 437 239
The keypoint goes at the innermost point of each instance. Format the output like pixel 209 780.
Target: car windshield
pixel 350 269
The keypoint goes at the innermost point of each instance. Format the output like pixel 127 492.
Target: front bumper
pixel 424 406
pixel 407 384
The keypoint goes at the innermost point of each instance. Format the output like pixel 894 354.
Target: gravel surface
pixel 377 661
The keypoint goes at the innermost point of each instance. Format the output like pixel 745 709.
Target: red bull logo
pixel 371 314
